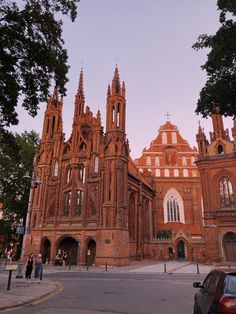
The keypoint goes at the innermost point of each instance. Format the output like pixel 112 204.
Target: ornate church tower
pixel 217 167
pixel 114 221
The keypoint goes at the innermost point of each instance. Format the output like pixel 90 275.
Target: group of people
pixel 61 258
pixel 38 273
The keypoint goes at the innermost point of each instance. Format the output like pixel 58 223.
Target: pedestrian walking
pixel 38 268
pixel 29 268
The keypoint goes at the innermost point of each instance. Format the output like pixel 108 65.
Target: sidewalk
pixel 21 293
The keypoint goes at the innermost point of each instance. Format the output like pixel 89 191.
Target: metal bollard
pixel 165 268
pixel 197 268
pixel 106 267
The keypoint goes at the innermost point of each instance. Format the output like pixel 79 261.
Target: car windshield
pixel 231 285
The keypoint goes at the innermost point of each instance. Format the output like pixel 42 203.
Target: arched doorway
pixel 229 244
pixel 91 252
pixel 70 246
pixel 181 249
pixel 45 250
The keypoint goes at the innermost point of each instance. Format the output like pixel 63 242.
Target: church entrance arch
pixel 229 245
pixel 181 249
pixel 91 252
pixel 69 246
pixel 45 250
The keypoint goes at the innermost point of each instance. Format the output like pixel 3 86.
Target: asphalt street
pixel 88 293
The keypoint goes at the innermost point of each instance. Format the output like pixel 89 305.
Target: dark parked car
pixel 217 294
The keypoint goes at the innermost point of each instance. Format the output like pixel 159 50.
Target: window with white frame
pixel 184 161
pixel 185 172
pixel 158 173
pixel 148 161
pixel 167 172
pixel 157 161
pixel 176 172
pixel 174 137
pixel 164 138
pixel 173 207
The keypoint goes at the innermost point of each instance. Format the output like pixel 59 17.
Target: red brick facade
pixel 100 207
pixel 92 200
pixel 171 161
pixel 217 166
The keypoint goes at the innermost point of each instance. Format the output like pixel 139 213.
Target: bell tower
pixel 114 218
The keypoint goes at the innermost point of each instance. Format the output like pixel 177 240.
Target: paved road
pixel 88 293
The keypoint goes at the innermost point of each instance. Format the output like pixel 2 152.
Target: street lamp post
pixel 33 184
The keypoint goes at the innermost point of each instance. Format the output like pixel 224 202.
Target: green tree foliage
pixel 16 159
pixel 220 89
pixel 31 53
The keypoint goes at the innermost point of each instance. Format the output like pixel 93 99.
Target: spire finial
pixel 167 115
pixel 116 82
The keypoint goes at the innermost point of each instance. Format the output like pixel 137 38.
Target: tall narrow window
pixel 110 182
pixel 67 203
pixel 157 161
pixel 53 126
pixel 185 172
pixel 82 173
pixel 173 209
pixel 68 176
pixel 174 137
pixel 193 160
pixel 167 173
pixel 96 164
pixel 118 115
pixel 80 201
pixel 226 192
pixel 148 161
pixel 176 172
pixel 158 174
pixel 164 138
pixel 184 161
pixel 113 114
pixel 55 169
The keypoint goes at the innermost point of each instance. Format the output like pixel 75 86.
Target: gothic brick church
pixel 100 206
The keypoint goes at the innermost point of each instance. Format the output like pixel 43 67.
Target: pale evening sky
pixel 152 40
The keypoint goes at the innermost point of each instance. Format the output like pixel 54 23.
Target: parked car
pixel 217 294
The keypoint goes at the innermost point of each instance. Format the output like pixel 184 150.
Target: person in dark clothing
pixel 29 268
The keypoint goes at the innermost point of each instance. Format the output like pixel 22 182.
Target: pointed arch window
pixel 67 203
pixel 68 175
pixel 81 174
pixel 80 202
pixel 173 209
pixel 226 192
pixel 55 172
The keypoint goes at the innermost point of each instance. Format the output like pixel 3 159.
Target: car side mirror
pixel 197 284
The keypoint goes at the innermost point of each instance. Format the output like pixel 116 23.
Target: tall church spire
pixel 116 105
pixel 116 87
pixel 218 127
pixel 79 98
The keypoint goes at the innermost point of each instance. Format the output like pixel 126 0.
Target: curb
pixel 58 287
